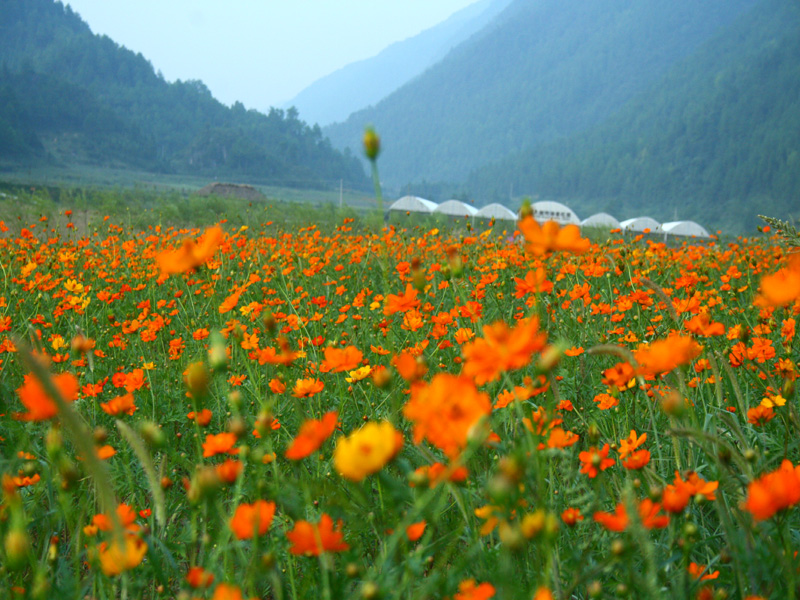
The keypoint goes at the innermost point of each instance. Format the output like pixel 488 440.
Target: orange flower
pixel 114 559
pixel 471 590
pixel 571 516
pixel 618 520
pixel 305 388
pixel 760 415
pixel 595 460
pixel 782 287
pixel 415 530
pixel 637 460
pixel 226 591
pixel 220 443
pixel 276 386
pixel 666 355
pixel 203 418
pixel 39 404
pixel 774 491
pixel 119 405
pixel 533 283
pixel 190 254
pixel 551 236
pixel 621 376
pixel 410 367
pixel 700 572
pixel 312 540
pixel 312 434
pixel 199 577
pixel 445 410
pixel 631 443
pixel 251 518
pixel 702 325
pixel 229 471
pixel 401 303
pixel 502 349
pixel 338 360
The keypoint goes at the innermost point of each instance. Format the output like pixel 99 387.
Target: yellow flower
pixel 773 401
pixel 366 450
pixel 358 374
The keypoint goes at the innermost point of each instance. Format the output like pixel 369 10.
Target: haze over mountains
pixel 604 104
pixel 686 109
pixel 363 83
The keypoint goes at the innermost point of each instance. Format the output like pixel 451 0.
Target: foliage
pixel 468 416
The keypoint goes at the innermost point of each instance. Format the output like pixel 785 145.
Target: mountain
pixel 363 83
pixel 717 139
pixel 539 71
pixel 70 96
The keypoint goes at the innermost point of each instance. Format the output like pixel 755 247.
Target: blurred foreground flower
pixel 366 450
pixel 190 254
pixel 312 540
pixel 38 402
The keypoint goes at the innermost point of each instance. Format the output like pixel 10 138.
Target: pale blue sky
pixel 260 52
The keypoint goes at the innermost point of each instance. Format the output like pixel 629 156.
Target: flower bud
pixel 372 144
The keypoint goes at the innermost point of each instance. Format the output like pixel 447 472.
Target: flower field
pixel 409 413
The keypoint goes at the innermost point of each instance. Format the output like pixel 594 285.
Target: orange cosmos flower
pixel 699 572
pixel 401 303
pixel 543 593
pixel 366 450
pixel 595 460
pixel 571 516
pixel 618 520
pixel 621 376
pixel 276 386
pixel 410 367
pixel 666 355
pixel 225 591
pixel 229 471
pixel 631 443
pixel 119 405
pixel 312 434
pixel 551 236
pixel 701 324
pixel 502 349
pixel 471 590
pixel 220 443
pixel 760 415
pixel 338 360
pixel 637 460
pixel 251 518
pixel 773 492
pixel 116 558
pixel 190 254
pixel 415 530
pixel 203 418
pixel 445 410
pixel 533 283
pixel 783 287
pixel 39 404
pixel 312 540
pixel 199 577
pixel 305 388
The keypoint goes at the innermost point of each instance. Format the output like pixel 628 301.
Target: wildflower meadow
pixel 369 412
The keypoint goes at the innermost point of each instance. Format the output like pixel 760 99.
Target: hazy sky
pixel 260 52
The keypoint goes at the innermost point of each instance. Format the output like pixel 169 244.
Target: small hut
pixel 495 211
pixel 639 224
pixel 547 210
pixel 413 204
pixel 455 208
pixel 685 228
pixel 601 219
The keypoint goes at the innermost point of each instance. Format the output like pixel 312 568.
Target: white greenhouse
pixel 639 224
pixel 413 204
pixel 497 212
pixel 456 208
pixel 685 228
pixel 601 219
pixel 547 210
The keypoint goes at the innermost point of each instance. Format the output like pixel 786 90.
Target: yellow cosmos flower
pixel 366 450
pixel 359 374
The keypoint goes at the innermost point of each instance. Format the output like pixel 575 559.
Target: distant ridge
pixel 358 85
